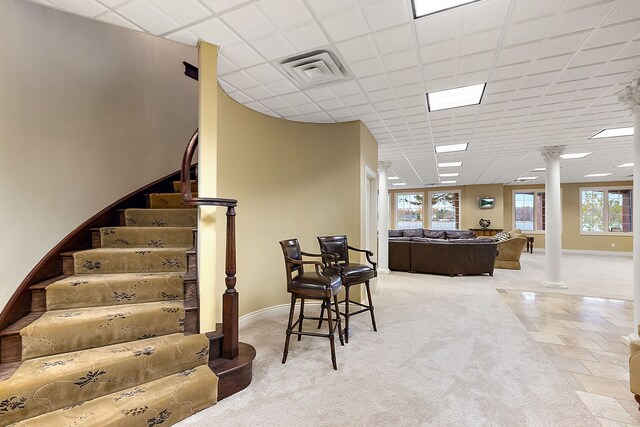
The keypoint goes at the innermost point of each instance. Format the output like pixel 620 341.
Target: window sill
pixel 605 233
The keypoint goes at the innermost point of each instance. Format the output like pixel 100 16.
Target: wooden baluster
pixel 230 298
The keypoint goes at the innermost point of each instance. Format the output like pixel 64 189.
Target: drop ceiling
pixel 552 68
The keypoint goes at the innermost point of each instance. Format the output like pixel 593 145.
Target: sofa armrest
pixel 511 249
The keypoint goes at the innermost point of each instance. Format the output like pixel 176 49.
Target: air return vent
pixel 314 68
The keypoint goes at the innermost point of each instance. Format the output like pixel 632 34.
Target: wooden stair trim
pixel 50 265
pixel 39 293
pixel 234 374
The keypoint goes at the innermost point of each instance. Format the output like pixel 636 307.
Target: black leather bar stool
pixel 352 274
pixel 311 285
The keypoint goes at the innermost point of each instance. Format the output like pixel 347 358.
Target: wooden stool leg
pixel 346 314
pixel 286 342
pixel 321 314
pixel 300 318
pixel 373 318
pixel 333 347
pixel 335 303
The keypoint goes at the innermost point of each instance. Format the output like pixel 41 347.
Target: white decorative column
pixel 553 218
pixel 383 217
pixel 630 96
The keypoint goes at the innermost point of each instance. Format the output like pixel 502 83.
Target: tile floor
pixel 583 337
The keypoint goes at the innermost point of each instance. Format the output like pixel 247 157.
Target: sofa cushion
pixel 427 240
pixel 502 236
pixel 413 233
pixel 395 233
pixel 434 234
pixel 402 239
pixel 459 234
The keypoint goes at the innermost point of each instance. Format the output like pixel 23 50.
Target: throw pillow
pixel 502 236
pixel 395 233
pixel 434 234
pixel 416 232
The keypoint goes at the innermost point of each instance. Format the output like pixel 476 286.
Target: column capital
pixel 552 152
pixel 630 96
pixel 384 166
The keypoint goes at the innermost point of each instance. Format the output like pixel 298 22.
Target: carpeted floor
pixel 449 352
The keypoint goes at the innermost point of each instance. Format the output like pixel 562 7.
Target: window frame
pixel 535 191
pixel 396 204
pixel 429 194
pixel 605 191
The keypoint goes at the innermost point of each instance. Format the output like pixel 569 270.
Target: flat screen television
pixel 486 202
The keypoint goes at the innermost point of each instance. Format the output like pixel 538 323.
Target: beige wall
pixel 471 213
pixel 89 112
pixel 291 180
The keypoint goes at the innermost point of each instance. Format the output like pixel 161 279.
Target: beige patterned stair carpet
pixel 153 237
pixel 91 290
pixel 98 326
pixel 109 350
pixel 167 200
pixel 145 405
pixel 128 260
pixel 185 217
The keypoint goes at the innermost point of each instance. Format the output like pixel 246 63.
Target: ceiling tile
pixel 183 11
pixel 320 93
pixel 249 22
pixel 528 31
pixel 345 24
pixel 241 55
pixel 526 10
pixel 88 8
pixel 215 31
pixel 282 86
pixel 323 7
pixel 285 13
pixel 367 68
pixel 439 27
pixel 274 46
pixel 400 60
pixel 439 51
pixel 114 18
pixel 239 79
pixel 264 73
pixel 387 13
pixel 396 39
pixel 306 37
pixel 481 42
pixel 357 49
pixel 219 6
pixel 626 11
pixel 144 15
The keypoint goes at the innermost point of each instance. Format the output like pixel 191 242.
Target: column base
pixel 384 271
pixel 556 285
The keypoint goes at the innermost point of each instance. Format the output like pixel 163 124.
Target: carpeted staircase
pixel 110 349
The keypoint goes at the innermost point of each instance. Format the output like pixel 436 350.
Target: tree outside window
pixel 445 210
pixel 605 210
pixel 528 210
pixel 409 211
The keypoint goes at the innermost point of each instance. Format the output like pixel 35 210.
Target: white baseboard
pixel 601 253
pixel 269 312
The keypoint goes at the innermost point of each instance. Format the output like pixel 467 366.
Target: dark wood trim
pixel 190 70
pixel 234 374
pixel 51 265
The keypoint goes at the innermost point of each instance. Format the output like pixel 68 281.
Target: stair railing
pixel 230 297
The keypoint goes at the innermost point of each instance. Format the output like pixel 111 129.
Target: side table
pixel 529 244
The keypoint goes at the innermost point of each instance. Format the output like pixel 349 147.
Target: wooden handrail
pixel 230 297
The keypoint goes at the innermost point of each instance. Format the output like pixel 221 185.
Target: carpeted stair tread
pixel 62 331
pixel 130 260
pixel 167 200
pixel 177 186
pixel 92 290
pixel 49 383
pixel 153 237
pixel 161 402
pixel 187 217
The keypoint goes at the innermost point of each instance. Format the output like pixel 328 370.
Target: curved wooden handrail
pixel 230 311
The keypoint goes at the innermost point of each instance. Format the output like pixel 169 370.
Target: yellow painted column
pixel 207 185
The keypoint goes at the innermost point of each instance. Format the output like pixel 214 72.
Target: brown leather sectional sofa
pixel 449 252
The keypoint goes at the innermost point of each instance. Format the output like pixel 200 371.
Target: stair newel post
pixel 230 297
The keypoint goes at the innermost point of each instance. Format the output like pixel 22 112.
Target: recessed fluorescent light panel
pixel 596 175
pixel 527 178
pixel 399 183
pixel 444 175
pixel 448 182
pixel 539 170
pixel 458 97
pixel 610 133
pixel 451 148
pixel 449 164
pixel 428 7
pixel 575 155
pixel 625 165
pixel 391 178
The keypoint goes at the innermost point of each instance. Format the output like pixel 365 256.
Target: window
pixel 409 210
pixel 445 210
pixel 605 210
pixel 528 210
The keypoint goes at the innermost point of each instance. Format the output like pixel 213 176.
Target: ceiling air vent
pixel 314 68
